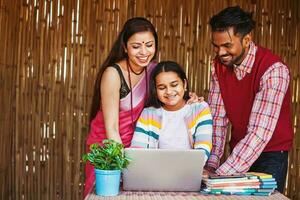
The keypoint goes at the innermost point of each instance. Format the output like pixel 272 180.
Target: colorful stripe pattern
pixel 199 123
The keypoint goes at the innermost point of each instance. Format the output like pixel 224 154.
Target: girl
pixel 168 121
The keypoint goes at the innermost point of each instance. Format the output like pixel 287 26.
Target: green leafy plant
pixel 109 156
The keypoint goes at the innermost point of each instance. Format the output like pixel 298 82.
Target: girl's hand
pixel 194 98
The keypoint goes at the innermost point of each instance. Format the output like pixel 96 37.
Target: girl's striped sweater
pixel 198 121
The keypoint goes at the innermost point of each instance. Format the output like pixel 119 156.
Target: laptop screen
pixel 163 170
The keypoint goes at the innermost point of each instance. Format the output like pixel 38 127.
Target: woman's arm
pixel 110 100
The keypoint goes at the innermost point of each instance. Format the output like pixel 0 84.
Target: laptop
pixel 163 170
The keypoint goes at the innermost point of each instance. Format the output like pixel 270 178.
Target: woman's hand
pixel 194 98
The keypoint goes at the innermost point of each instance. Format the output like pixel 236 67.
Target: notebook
pixel 163 170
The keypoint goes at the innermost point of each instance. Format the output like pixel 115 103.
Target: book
pixel 269 183
pixel 236 193
pixel 207 180
pixel 261 193
pixel 234 187
pixel 247 190
pixel 267 179
pixel 259 175
pixel 216 176
pixel 268 186
pixel 232 184
pixel 265 190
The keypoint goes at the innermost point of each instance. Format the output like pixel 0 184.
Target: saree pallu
pixel 127 121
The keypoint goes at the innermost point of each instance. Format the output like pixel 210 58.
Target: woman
pixel 120 87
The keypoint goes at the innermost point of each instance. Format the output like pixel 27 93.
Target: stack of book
pixel 251 183
pixel 268 184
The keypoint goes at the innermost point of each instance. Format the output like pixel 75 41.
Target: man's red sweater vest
pixel 238 97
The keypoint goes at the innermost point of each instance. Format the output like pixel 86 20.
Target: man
pixel 249 89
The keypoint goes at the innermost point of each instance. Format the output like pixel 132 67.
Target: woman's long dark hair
pixel 117 53
pixel 165 66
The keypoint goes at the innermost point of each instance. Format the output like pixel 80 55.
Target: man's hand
pixel 210 170
pixel 194 98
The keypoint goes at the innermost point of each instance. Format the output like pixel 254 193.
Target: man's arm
pixel 220 121
pixel 262 122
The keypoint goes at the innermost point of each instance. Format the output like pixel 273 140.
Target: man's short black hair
pixel 241 21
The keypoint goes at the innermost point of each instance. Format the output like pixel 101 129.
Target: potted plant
pixel 108 160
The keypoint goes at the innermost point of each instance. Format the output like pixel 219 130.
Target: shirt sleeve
pixel 203 129
pixel 263 119
pixel 220 121
pixel 140 136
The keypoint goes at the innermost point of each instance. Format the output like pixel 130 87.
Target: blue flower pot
pixel 107 182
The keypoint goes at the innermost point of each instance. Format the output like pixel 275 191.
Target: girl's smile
pixel 170 90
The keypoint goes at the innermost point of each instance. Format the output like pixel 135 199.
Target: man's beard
pixel 237 59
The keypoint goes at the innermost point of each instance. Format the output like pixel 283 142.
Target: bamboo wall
pixel 51 51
